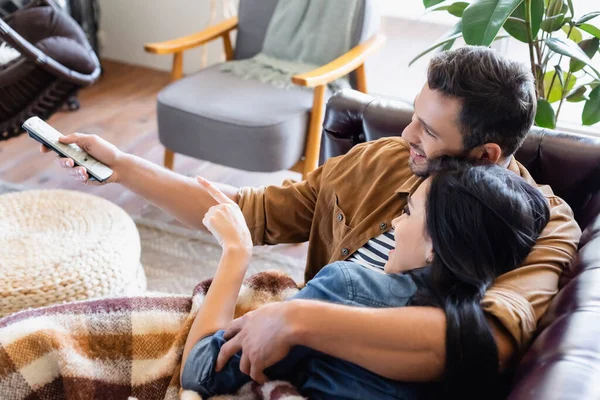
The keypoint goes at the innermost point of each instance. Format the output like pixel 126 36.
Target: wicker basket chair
pixel 55 61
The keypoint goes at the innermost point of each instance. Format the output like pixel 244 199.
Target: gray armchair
pixel 219 117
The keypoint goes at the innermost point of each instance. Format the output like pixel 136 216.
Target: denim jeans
pixel 315 374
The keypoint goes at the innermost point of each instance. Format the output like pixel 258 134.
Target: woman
pixel 466 224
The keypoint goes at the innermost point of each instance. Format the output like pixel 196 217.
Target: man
pixel 475 103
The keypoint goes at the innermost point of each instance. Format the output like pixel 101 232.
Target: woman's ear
pixel 429 259
pixel 430 254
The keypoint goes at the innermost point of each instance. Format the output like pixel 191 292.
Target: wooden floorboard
pixel 121 108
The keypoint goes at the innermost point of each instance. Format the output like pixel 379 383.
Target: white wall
pixel 126 25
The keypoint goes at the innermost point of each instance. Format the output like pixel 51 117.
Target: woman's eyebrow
pixel 409 200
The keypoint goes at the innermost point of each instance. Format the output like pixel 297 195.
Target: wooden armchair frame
pixel 353 60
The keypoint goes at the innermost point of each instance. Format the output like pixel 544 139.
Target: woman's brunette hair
pixel 483 221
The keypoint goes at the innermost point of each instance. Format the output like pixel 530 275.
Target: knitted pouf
pixel 59 246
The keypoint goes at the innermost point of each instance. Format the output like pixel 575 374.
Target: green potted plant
pixel 561 45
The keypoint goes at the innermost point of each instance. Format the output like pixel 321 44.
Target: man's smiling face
pixel 434 129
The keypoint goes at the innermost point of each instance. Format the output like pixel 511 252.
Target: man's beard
pixel 423 170
pixel 419 170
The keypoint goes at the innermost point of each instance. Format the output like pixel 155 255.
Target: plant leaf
pixel 569 48
pixel 443 6
pixel 589 47
pixel 457 8
pixel 555 93
pixel 554 8
pixel 591 29
pixel 587 17
pixel 553 24
pixel 518 30
pixel 575 34
pixel 450 36
pixel 448 45
pixel 591 110
pixel 431 3
pixel 577 95
pixel 544 115
pixel 482 20
pixel 570 4
pixel 560 75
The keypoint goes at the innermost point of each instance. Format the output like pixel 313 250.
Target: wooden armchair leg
pixel 169 159
pixel 361 79
pixel 313 142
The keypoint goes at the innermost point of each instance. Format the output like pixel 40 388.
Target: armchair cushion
pixel 238 120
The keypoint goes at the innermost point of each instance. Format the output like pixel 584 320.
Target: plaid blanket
pixel 119 348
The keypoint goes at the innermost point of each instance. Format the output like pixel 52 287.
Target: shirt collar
pixel 410 185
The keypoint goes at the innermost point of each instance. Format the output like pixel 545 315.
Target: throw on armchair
pixel 217 116
pixel 564 359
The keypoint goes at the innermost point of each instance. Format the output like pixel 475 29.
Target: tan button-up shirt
pixel 353 198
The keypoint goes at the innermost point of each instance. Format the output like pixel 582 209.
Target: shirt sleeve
pixel 284 214
pixel 520 297
pixel 281 214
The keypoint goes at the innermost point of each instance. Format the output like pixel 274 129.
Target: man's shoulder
pixel 373 158
pixel 388 142
pixel 379 150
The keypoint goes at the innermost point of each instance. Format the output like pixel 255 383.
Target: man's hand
pixel 263 335
pixel 96 147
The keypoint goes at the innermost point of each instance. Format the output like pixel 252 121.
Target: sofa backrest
pixel 570 164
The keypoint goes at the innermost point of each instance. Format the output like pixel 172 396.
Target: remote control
pixel 48 136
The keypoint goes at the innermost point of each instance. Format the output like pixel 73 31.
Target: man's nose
pixel 410 133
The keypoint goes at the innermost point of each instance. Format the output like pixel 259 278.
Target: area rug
pixel 176 258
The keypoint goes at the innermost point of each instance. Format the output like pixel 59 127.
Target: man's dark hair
pixel 498 95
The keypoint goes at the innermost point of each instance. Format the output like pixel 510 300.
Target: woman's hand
pixel 226 221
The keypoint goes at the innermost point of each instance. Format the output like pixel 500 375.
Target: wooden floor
pixel 121 108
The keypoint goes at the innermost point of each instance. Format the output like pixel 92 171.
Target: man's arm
pixel 406 343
